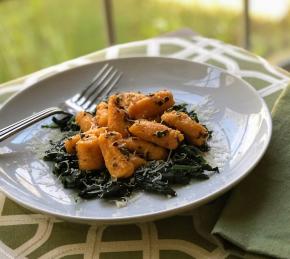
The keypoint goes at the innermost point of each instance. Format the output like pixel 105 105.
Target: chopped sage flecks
pixel 161 133
pixel 182 165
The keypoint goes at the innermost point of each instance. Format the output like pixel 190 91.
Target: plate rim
pixel 167 212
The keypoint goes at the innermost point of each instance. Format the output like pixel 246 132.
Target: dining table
pixel 30 234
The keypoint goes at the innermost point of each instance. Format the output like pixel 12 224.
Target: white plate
pixel 239 117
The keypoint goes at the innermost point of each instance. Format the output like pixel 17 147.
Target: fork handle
pixel 24 123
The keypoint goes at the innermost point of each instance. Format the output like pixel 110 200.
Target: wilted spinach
pixel 182 165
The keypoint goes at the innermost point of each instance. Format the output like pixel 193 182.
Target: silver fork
pixel 100 86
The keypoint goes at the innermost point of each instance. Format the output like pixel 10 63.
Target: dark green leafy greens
pixel 182 165
pixel 66 123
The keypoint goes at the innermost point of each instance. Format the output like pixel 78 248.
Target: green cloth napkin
pixel 256 216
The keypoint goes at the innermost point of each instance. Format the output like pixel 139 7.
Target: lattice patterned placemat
pixel 25 234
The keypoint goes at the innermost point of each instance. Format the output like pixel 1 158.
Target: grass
pixel 39 33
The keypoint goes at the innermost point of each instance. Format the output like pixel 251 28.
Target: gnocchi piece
pixel 117 118
pixel 85 120
pixel 148 150
pixel 151 106
pixel 102 114
pixel 157 133
pixel 194 132
pixel 70 143
pixel 97 131
pixel 89 153
pixel 127 98
pixel 117 162
pixel 137 161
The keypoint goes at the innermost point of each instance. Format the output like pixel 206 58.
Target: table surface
pixel 25 234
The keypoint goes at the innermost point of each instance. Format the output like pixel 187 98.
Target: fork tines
pixel 100 86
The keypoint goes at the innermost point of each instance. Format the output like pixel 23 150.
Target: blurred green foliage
pixel 38 33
